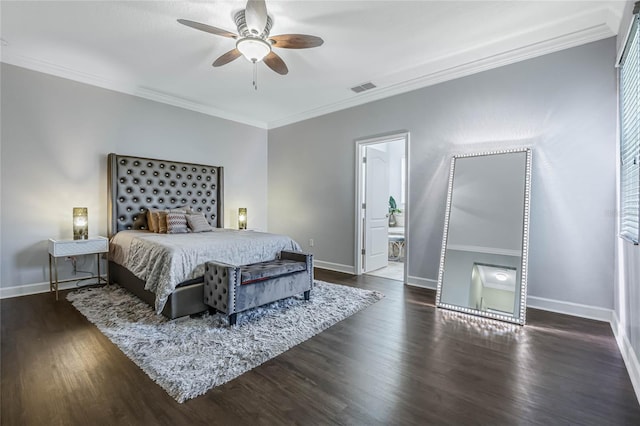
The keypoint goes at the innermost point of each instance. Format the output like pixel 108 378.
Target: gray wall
pixel 563 105
pixel 56 135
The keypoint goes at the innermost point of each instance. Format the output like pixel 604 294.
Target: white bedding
pixel 165 260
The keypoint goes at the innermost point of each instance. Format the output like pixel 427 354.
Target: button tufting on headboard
pixel 162 183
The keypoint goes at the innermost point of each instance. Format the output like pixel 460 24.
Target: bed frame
pixel 136 184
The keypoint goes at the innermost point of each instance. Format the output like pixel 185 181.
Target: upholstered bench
pixel 231 289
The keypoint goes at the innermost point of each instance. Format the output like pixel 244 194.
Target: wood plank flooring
pixel 399 362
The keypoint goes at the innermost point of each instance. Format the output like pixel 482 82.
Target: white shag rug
pixel 188 356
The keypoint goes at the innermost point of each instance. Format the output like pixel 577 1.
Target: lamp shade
pixel 80 223
pixel 254 49
pixel 242 218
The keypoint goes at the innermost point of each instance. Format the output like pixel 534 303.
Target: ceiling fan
pixel 253 40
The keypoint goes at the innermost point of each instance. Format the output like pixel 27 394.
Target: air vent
pixel 363 87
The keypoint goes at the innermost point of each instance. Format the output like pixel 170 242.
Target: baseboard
pixel 347 269
pixel 628 354
pixel 570 308
pixel 36 288
pixel 422 282
pixel 558 306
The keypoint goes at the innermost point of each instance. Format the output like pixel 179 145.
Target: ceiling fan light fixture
pixel 501 276
pixel 254 49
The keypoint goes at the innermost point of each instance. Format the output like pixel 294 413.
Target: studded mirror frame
pixel 521 320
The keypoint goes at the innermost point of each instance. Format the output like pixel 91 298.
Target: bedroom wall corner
pixel 56 135
pixel 562 105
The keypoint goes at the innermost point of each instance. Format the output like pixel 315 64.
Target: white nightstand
pixel 64 248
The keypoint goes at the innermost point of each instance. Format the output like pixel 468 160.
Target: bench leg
pixel 307 294
pixel 233 318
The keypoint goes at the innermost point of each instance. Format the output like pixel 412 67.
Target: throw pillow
pixel 198 223
pixel 140 221
pixel 177 223
pixel 162 222
pixel 152 220
pixel 182 209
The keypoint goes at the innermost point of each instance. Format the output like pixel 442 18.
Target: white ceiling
pixel 137 47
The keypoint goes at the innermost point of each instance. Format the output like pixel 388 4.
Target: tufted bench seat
pixel 232 289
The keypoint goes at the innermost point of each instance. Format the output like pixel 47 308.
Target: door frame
pixel 360 145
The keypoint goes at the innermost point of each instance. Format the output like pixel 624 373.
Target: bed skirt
pixel 187 298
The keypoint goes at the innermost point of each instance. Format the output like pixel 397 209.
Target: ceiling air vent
pixel 363 87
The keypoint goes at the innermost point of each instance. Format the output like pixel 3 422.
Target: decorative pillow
pixel 177 223
pixel 182 209
pixel 162 221
pixel 198 223
pixel 152 220
pixel 155 218
pixel 140 221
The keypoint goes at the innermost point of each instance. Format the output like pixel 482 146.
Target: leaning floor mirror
pixel 483 263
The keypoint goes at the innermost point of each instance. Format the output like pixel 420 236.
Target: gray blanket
pixel 165 260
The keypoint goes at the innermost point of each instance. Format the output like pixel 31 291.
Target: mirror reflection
pixel 483 260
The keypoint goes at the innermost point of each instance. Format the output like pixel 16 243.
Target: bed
pixel 166 270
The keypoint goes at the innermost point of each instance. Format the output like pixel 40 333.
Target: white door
pixel 376 212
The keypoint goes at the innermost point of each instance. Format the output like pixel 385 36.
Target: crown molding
pixel 584 36
pixel 533 50
pixel 122 87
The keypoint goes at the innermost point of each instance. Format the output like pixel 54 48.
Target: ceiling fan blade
pixel 296 41
pixel 207 28
pixel 227 57
pixel 255 15
pixel 276 63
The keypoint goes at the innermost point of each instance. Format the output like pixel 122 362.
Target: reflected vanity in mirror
pixel 483 263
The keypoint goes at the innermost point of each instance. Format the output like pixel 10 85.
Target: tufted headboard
pixel 136 184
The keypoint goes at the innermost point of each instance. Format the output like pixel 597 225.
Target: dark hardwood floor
pixel 400 361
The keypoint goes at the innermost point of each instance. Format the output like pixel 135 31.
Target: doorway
pixel 382 206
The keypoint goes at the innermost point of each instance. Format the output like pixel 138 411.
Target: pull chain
pixel 255 75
